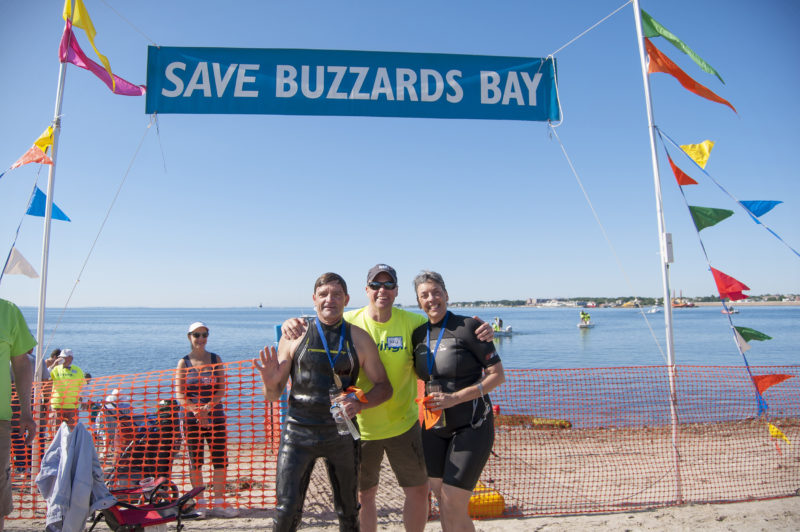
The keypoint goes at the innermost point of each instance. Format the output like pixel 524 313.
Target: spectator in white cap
pixel 200 389
pixel 68 380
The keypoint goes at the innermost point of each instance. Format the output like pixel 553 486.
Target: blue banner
pixel 348 83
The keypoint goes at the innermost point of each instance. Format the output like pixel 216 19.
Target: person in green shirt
pixel 16 341
pixel 391 428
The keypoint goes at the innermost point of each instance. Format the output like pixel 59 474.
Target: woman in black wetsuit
pixel 446 350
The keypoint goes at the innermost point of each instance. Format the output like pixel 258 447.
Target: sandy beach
pixel 773 515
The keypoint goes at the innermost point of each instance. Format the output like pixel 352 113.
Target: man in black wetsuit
pixel 330 354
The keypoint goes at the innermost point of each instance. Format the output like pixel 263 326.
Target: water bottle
pixel 343 423
pixel 431 387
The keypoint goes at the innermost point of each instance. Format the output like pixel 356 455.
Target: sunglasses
pixel 376 285
pixel 200 335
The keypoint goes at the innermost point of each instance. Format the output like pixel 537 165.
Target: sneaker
pixel 200 509
pixel 226 510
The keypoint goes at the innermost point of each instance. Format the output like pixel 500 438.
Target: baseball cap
pixel 65 353
pixel 381 268
pixel 196 325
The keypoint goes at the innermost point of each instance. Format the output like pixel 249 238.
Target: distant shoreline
pixel 752 304
pixel 412 307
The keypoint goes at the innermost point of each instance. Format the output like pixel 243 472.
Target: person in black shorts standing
pixel 447 353
pixel 323 362
pixel 200 390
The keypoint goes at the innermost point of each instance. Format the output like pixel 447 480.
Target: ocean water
pixel 113 341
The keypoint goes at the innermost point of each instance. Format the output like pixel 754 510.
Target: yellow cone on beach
pixel 486 502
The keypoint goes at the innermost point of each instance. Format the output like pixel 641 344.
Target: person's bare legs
pixel 368 515
pixel 415 509
pixel 218 478
pixel 454 506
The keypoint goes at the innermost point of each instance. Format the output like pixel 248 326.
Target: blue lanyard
pixel 432 356
pixel 328 351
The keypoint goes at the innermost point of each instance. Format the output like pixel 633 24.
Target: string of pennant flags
pixel 69 51
pixel 728 287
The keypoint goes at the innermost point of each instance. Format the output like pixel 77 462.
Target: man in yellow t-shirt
pixel 393 426
pixel 65 398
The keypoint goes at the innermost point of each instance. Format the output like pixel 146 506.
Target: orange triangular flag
pixel 420 395
pixel 680 175
pixel 33 155
pixel 765 381
pixel 427 417
pixel 728 286
pixel 661 63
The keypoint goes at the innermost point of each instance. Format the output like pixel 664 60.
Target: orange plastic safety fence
pixel 566 440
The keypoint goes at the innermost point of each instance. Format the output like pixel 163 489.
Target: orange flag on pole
pixel 33 155
pixel 680 175
pixel 728 286
pixel 765 381
pixel 661 63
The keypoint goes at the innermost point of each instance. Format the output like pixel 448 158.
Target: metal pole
pixel 666 252
pixel 48 213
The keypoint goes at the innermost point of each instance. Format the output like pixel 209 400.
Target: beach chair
pixel 124 517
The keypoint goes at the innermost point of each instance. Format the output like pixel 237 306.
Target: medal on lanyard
pixel 432 357
pixel 332 361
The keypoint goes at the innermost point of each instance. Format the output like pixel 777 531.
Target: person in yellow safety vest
pixel 68 380
pixel 585 317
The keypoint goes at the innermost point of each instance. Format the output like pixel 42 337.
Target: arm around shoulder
pixel 371 364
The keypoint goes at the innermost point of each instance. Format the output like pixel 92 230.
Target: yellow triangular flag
pixel 775 432
pixel 699 152
pixel 45 140
pixel 17 265
pixel 80 19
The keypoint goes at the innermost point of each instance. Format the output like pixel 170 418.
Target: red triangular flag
pixel 680 175
pixel 661 63
pixel 728 286
pixel 33 155
pixel 765 381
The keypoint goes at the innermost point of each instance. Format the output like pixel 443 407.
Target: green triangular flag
pixel 752 334
pixel 706 216
pixel 652 28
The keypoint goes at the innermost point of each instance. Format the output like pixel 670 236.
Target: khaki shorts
pixel 405 456
pixel 5 468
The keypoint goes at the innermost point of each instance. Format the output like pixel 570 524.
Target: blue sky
pixel 240 210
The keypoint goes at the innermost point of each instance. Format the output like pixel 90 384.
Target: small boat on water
pixel 504 332
pixel 585 325
pixel 497 327
pixel 730 310
pixel 654 310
